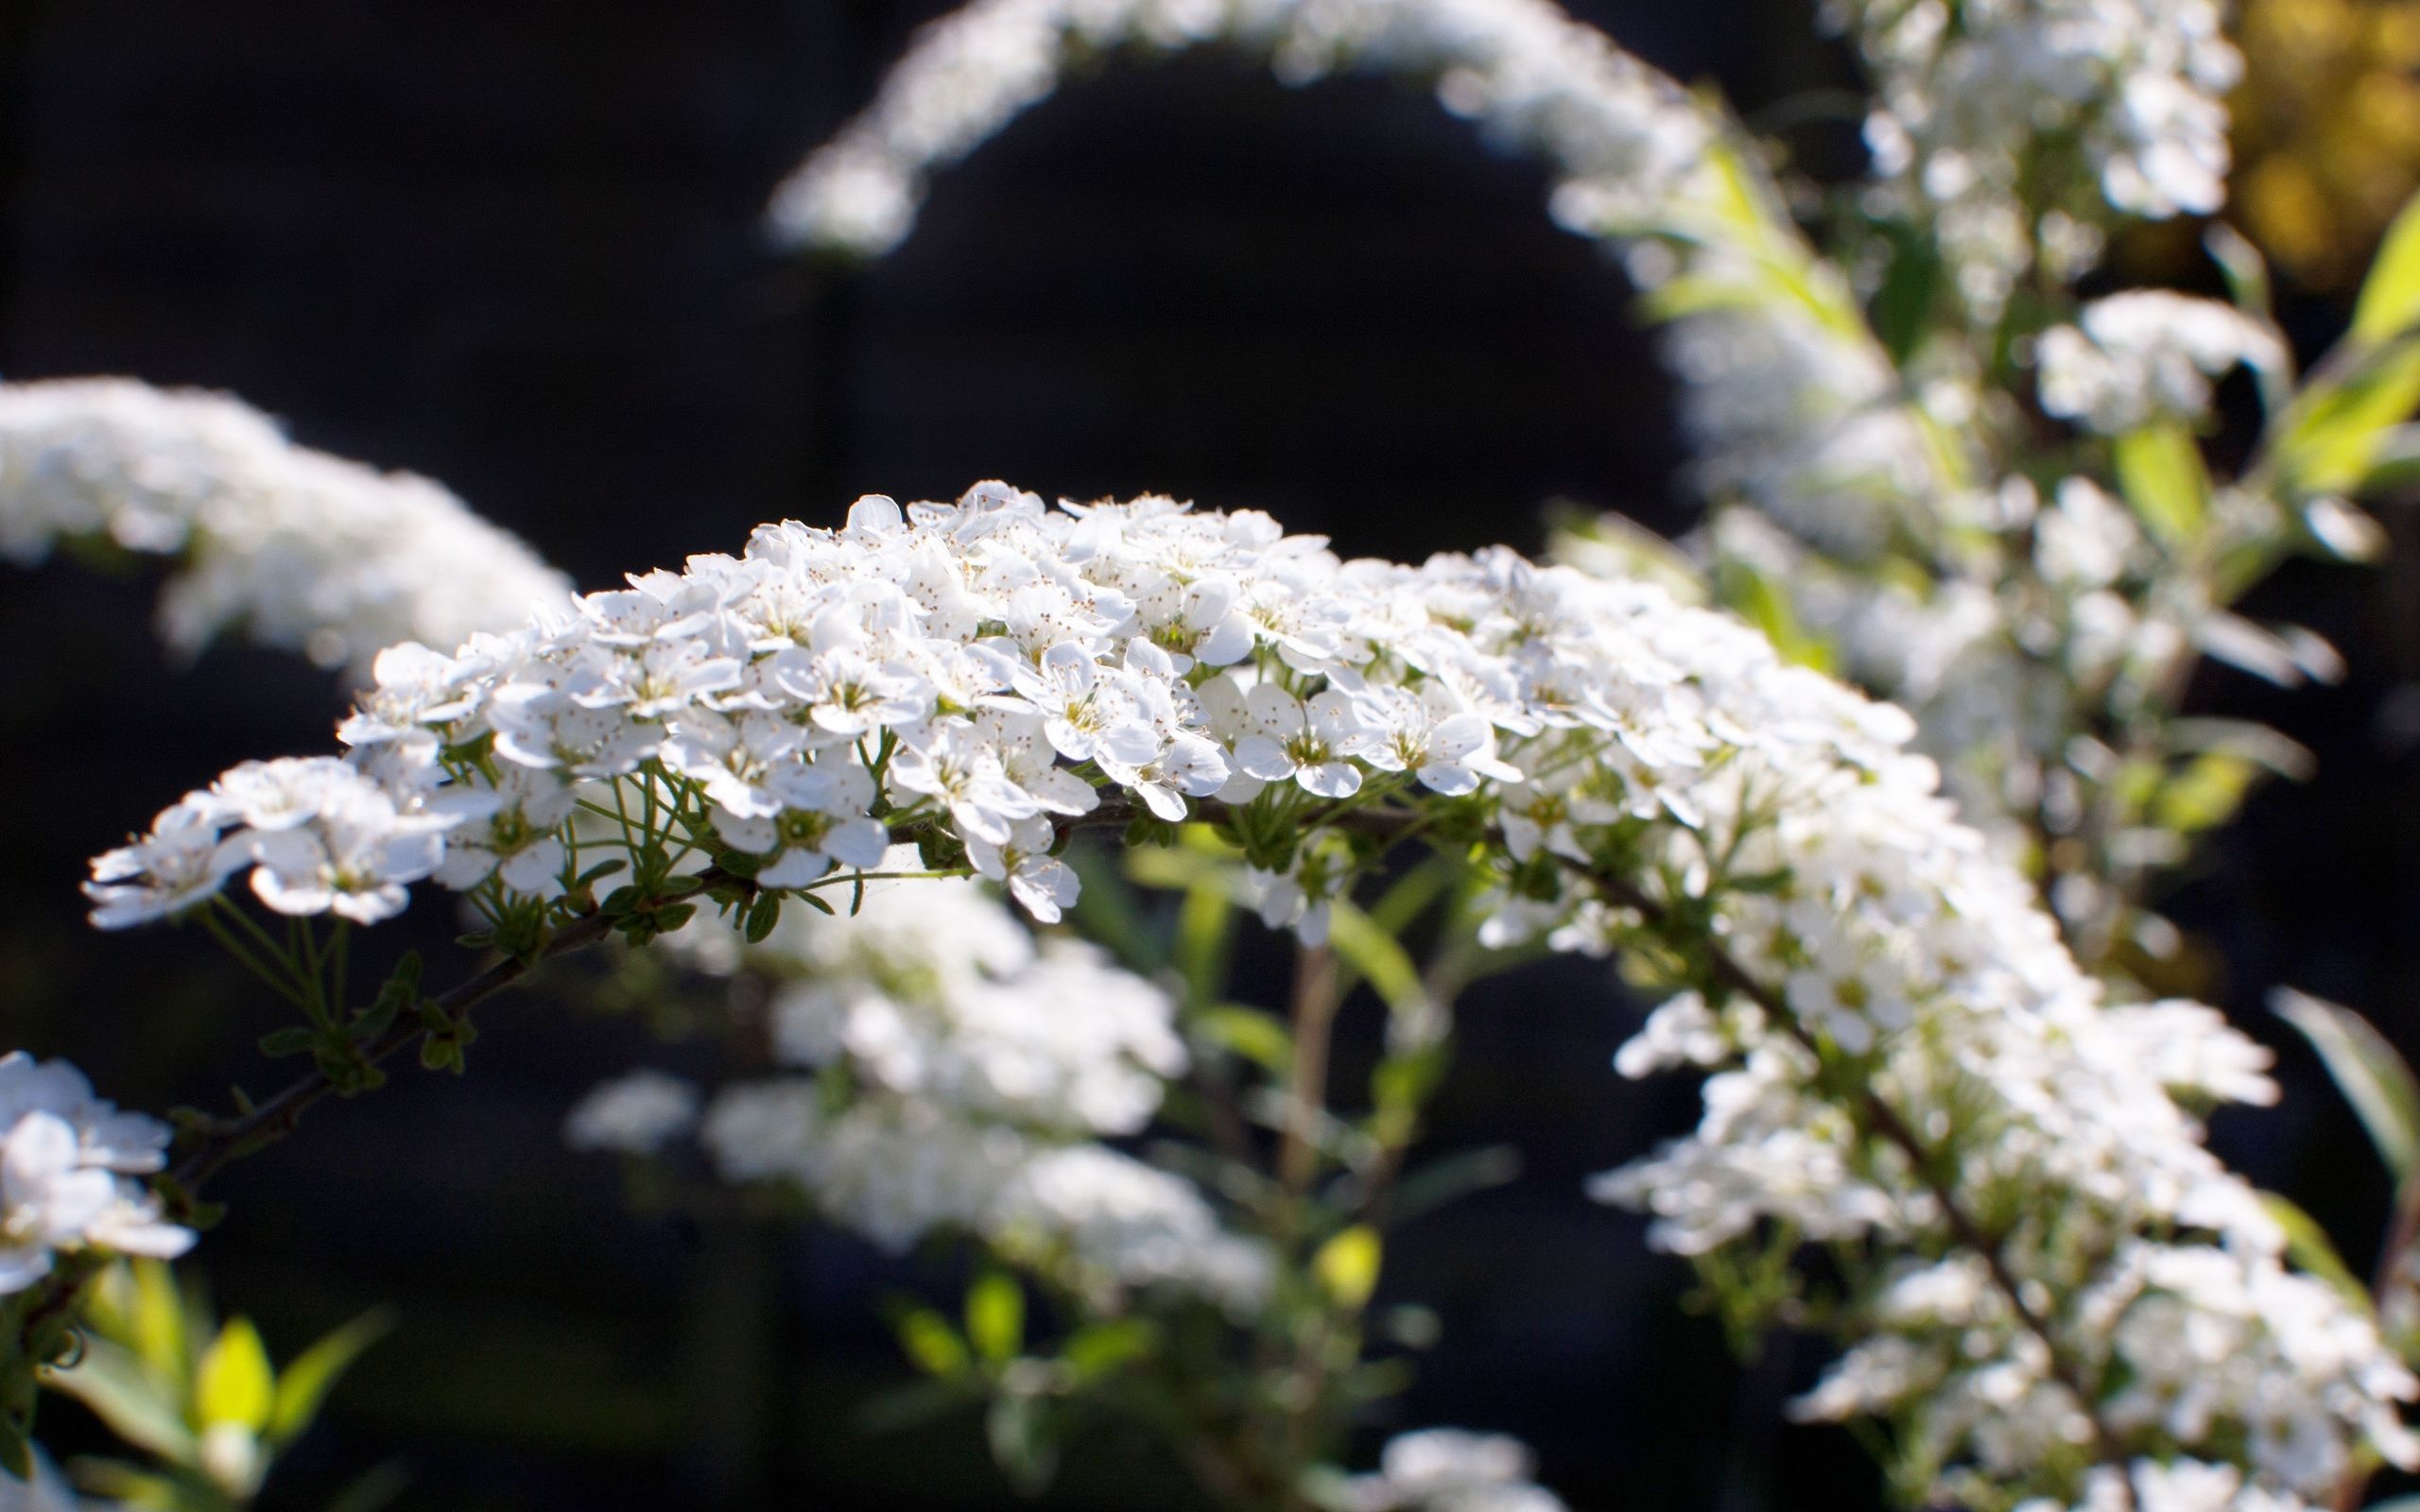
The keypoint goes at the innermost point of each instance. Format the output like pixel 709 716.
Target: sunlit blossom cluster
pixel 67 1163
pixel 2145 355
pixel 979 677
pixel 1984 109
pixel 961 1073
pixel 1620 132
pixel 302 551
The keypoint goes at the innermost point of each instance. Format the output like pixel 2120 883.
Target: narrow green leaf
pixel 911 1407
pixel 928 1340
pixel 1111 914
pixel 2309 1246
pixel 1097 1349
pixel 307 1379
pixel 2335 433
pixel 1431 1186
pixel 1205 931
pixel 2372 1077
pixel 995 1317
pixel 235 1384
pixel 1403 1081
pixel 2390 297
pixel 113 1383
pixel 373 1488
pixel 158 1327
pixel 2161 474
pixel 1376 956
pixel 1258 1037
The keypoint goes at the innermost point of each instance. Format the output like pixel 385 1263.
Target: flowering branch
pixel 1881 1001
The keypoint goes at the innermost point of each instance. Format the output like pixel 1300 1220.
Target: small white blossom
pixel 637 1113
pixel 65 1159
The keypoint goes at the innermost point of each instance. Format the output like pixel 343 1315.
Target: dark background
pixel 516 246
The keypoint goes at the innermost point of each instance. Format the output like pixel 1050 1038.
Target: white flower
pixel 740 763
pixel 819 817
pixel 966 774
pixel 2145 355
pixel 1085 714
pixel 184 861
pixel 637 1113
pixel 1449 1470
pixel 1312 742
pixel 1450 750
pixel 1042 883
pixel 65 1157
pixel 508 830
pixel 353 857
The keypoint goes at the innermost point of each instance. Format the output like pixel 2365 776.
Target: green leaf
pixel 1904 304
pixel 1431 1186
pixel 291 1040
pixel 373 1488
pixel 1097 1349
pixel 157 1327
pixel 1204 930
pixel 1258 1037
pixel 1111 914
pixel 235 1384
pixel 1374 954
pixel 909 1406
pixel 121 1393
pixel 1347 1266
pixel 995 1317
pixel 2245 270
pixel 762 916
pixel 2390 299
pixel 1766 604
pixel 2161 474
pixel 1403 1081
pixel 2309 1246
pixel 308 1376
pixel 1019 1431
pixel 2205 795
pixel 927 1339
pixel 2336 430
pixel 2372 1077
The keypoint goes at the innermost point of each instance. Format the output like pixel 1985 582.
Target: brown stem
pixel 272 1119
pixel 1315 1005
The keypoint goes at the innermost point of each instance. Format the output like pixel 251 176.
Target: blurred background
pixel 516 246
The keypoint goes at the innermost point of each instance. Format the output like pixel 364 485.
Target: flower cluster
pixel 66 1158
pixel 1979 103
pixel 319 835
pixel 2145 355
pixel 637 1113
pixel 1906 1060
pixel 1621 132
pixel 1449 1470
pixel 964 1072
pixel 305 551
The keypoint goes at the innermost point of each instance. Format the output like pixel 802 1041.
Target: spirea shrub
pixel 886 799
